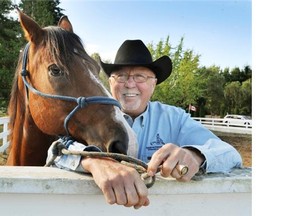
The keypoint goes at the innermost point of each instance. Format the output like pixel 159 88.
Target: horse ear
pixel 65 24
pixel 32 31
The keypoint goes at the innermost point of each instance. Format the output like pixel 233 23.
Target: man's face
pixel 133 95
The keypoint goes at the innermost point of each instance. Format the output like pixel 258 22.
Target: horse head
pixel 57 92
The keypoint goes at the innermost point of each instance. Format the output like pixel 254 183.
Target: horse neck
pixel 28 144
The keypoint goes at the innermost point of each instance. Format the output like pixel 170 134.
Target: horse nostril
pixel 118 147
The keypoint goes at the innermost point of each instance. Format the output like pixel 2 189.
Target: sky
pixel 218 31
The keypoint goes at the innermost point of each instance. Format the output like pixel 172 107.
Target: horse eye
pixel 54 70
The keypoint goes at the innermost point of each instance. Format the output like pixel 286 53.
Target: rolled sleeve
pixel 220 156
pixel 72 162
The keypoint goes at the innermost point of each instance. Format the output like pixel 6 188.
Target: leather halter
pixel 81 101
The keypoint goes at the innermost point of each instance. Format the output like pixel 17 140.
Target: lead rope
pixel 59 149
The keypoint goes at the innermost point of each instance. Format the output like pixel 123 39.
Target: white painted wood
pixel 51 191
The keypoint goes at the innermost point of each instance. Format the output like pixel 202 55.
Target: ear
pixel 154 85
pixel 65 24
pixel 33 32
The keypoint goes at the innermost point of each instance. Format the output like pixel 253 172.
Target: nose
pixel 130 82
pixel 118 146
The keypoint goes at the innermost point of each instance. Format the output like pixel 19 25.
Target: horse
pixel 57 92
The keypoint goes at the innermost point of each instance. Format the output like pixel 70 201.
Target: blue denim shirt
pixel 162 123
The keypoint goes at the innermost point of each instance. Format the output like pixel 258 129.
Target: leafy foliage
pixel 46 12
pixel 210 89
pixel 209 84
pixel 238 97
pixel 176 90
pixel 10 43
pixel 12 39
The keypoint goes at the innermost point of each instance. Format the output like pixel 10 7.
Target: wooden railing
pixel 4 132
pixel 219 125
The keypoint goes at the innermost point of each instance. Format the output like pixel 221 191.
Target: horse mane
pixel 61 45
pixel 15 98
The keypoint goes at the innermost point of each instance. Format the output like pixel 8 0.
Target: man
pixel 167 135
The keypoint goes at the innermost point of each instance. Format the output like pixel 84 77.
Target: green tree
pixel 246 89
pixel 247 73
pixel 208 84
pixel 10 43
pixel 12 39
pixel 102 75
pixel 238 91
pixel 176 90
pixel 233 95
pixel 45 13
pixel 236 74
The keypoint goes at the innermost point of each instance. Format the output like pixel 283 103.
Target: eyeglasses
pixel 138 78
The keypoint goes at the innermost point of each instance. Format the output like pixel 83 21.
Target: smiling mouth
pixel 130 95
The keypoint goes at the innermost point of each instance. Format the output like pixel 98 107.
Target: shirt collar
pixel 142 118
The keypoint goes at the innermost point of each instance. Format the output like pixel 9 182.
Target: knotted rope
pixel 59 148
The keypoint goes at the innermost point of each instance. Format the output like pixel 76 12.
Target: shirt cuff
pixel 73 162
pixel 202 168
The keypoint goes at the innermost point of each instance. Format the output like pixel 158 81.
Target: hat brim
pixel 162 68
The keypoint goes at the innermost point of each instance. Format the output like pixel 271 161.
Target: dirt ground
pixel 3 158
pixel 243 143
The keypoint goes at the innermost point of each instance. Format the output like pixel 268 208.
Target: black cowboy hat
pixel 135 53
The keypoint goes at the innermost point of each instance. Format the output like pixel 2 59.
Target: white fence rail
pixel 219 125
pixel 4 133
pixel 214 124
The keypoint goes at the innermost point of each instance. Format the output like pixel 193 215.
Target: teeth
pixel 130 95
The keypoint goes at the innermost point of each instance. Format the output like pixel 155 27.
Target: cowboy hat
pixel 135 53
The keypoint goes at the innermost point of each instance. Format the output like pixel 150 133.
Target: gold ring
pixel 182 169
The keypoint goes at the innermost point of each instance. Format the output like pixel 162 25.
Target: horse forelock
pixel 64 47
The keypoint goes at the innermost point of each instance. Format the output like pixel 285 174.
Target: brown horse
pixel 56 92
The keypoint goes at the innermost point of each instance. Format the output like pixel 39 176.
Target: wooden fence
pixel 214 124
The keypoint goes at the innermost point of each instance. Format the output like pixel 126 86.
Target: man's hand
pixel 120 184
pixel 171 155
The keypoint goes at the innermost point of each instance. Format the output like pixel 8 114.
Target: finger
pixel 143 197
pixel 168 166
pixel 109 195
pixel 157 159
pixel 120 195
pixel 175 174
pixel 132 195
pixel 142 192
pixel 146 203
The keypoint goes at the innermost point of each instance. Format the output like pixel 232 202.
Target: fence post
pixel 4 135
